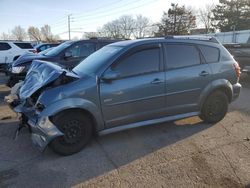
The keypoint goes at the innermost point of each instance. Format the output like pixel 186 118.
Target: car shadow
pixel 103 155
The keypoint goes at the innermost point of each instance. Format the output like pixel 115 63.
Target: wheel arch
pixel 85 106
pixel 82 111
pixel 217 85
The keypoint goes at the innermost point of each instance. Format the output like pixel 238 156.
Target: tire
pixel 77 129
pixel 215 107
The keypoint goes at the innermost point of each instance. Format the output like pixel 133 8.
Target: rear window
pixel 23 45
pixel 211 54
pixel 4 46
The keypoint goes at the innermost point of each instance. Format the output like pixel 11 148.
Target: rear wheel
pixel 215 107
pixel 77 129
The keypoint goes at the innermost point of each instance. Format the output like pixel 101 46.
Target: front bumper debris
pixel 43 131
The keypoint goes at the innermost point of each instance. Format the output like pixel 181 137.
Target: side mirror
pixel 67 55
pixel 110 75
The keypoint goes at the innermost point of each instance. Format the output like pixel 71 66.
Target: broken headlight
pixel 17 70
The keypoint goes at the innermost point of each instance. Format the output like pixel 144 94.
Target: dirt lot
pixel 186 153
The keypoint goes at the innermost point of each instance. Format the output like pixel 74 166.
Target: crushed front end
pixel 23 100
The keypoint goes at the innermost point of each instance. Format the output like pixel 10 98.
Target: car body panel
pixel 184 86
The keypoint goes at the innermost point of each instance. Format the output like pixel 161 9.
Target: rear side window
pixel 140 62
pixel 210 54
pixel 4 46
pixel 181 55
pixel 23 45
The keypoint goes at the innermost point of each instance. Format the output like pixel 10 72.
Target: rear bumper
pixel 236 91
pixel 43 131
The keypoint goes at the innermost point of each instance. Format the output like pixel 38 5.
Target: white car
pixel 11 50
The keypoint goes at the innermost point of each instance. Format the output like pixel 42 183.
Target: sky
pixel 85 15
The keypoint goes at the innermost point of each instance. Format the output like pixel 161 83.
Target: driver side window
pixel 74 51
pixel 140 62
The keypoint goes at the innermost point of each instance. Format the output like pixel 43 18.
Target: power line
pixel 119 11
pixel 100 7
pixel 104 11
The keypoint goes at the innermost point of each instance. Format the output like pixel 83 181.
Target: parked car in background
pixel 11 50
pixel 17 74
pixel 67 55
pixel 241 53
pixel 44 46
pixel 125 85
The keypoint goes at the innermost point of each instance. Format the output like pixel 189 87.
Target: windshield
pixel 92 63
pixel 58 49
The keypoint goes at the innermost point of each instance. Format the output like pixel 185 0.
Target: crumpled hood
pixel 27 58
pixel 40 74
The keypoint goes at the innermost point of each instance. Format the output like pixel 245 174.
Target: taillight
pixel 237 69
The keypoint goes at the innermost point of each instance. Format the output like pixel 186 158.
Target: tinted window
pixel 182 56
pixel 43 48
pixel 87 49
pixel 4 46
pixel 23 45
pixel 81 49
pixel 140 62
pixel 210 54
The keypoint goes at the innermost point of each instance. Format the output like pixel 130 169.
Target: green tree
pixel 232 14
pixel 177 21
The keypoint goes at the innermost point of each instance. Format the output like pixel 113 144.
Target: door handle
pixel 204 73
pixel 157 81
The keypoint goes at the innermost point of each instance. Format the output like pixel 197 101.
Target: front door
pixel 138 93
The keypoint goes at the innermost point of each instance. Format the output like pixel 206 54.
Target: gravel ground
pixel 185 153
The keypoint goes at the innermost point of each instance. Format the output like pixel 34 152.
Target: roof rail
pixel 193 37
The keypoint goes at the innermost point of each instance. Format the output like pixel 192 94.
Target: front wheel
pixel 215 107
pixel 77 129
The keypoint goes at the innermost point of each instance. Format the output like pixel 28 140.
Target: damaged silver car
pixel 125 85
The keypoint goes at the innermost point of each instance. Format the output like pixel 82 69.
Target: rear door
pixel 187 75
pixel 138 94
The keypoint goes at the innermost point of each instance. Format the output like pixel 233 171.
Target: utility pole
pixel 69 24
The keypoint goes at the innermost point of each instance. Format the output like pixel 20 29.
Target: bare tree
pixel 110 29
pixel 19 33
pixel 34 33
pixel 205 17
pixel 47 34
pixel 126 26
pixel 4 36
pixel 89 35
pixel 142 27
